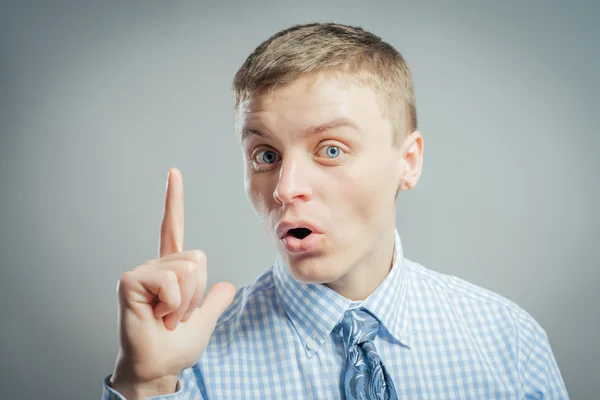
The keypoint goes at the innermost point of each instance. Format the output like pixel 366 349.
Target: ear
pixel 412 161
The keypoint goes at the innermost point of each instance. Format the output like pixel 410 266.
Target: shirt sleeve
pixel 540 375
pixel 187 389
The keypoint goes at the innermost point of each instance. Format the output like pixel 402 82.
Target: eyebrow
pixel 313 130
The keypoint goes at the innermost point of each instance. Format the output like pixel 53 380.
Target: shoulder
pixel 470 301
pixel 509 335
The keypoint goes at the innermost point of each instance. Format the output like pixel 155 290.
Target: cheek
pixel 259 194
pixel 369 194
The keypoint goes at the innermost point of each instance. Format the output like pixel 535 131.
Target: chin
pixel 313 268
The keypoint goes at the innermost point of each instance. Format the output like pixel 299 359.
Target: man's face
pixel 318 155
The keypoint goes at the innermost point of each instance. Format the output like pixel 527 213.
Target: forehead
pixel 311 100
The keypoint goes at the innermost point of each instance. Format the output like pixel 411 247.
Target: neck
pixel 368 273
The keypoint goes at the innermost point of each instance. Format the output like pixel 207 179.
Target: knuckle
pixel 139 267
pixel 190 267
pixel 125 283
pixel 199 256
pixel 126 279
pixel 170 276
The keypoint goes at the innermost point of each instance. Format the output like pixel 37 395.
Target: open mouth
pixel 300 239
pixel 299 233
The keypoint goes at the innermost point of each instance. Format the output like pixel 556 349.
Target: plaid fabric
pixel 440 338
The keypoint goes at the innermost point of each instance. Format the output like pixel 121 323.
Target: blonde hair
pixel 310 49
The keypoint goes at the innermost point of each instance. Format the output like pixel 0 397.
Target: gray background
pixel 98 101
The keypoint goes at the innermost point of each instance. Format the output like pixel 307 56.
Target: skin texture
pixel 343 178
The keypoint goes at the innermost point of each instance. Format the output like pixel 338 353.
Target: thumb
pixel 218 298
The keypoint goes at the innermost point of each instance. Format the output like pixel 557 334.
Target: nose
pixel 293 184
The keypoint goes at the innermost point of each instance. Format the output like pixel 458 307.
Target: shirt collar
pixel 315 309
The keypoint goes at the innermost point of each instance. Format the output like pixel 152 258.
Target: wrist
pixel 133 390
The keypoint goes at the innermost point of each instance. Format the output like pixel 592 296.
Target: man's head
pixel 305 50
pixel 327 122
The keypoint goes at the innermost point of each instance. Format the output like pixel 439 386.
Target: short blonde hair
pixel 325 48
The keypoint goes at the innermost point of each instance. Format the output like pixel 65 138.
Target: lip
pixel 307 245
pixel 284 227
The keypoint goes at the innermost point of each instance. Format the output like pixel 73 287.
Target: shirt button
pixel 311 344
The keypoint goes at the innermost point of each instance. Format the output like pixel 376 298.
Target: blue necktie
pixel 364 377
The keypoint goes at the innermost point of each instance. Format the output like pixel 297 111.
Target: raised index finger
pixel 171 230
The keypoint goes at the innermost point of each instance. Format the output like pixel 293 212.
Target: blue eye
pixel 333 151
pixel 267 156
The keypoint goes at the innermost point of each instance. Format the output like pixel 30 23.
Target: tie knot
pixel 358 326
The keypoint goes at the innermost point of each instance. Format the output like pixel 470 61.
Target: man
pixel 326 117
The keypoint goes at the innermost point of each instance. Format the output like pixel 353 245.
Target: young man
pixel 327 121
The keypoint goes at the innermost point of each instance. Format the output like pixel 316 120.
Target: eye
pixel 331 151
pixel 266 157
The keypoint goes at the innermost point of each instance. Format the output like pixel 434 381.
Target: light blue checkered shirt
pixel 441 338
